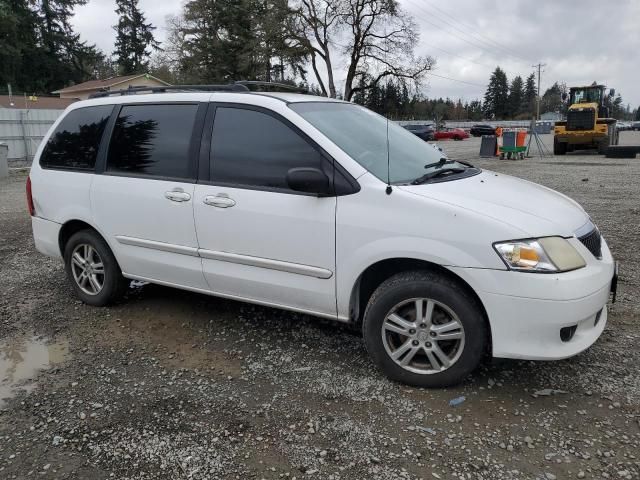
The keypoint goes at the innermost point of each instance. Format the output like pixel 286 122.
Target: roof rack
pixel 231 87
pixel 283 86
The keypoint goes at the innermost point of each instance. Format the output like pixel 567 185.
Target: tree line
pixel 310 43
pixel 504 100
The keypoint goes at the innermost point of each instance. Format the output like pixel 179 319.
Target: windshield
pixel 362 134
pixel 585 95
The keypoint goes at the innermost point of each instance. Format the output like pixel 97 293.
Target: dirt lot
pixel 171 384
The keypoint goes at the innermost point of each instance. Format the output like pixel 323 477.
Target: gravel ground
pixel 171 384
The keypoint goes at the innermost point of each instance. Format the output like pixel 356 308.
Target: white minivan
pixel 322 207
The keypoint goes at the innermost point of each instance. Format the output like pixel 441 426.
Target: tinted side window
pixel 255 149
pixel 153 140
pixel 75 142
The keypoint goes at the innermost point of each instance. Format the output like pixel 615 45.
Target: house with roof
pixel 34 102
pixel 82 91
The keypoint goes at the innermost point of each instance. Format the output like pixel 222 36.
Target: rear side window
pixel 75 142
pixel 254 149
pixel 153 140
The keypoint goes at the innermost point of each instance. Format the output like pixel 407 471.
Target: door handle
pixel 177 196
pixel 221 201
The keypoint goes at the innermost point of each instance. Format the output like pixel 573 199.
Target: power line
pixel 477 34
pixel 456 80
pixel 453 34
pixel 460 57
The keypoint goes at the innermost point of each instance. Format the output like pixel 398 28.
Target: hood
pixel 530 208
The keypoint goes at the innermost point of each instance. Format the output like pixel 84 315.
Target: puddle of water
pixel 21 358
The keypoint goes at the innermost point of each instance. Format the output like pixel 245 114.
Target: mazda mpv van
pixel 322 207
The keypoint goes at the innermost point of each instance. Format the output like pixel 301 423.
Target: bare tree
pixel 316 22
pixel 381 44
pixel 378 41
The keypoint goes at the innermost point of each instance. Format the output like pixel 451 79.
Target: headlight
pixel 549 254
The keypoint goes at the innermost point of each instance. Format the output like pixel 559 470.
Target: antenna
pixel 388 190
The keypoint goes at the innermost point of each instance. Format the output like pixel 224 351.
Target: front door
pixel 143 201
pixel 259 240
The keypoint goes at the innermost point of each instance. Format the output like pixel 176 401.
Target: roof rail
pixel 231 87
pixel 283 86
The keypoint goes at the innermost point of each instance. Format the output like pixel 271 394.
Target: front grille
pixel 581 119
pixel 593 242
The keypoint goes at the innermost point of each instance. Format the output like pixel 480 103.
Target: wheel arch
pixel 71 227
pixel 378 272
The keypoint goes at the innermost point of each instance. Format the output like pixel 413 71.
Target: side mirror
pixel 308 180
pixel 612 92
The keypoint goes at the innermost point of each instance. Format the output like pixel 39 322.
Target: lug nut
pixel 423 325
pixel 433 334
pixel 412 331
pixel 415 342
pixel 428 344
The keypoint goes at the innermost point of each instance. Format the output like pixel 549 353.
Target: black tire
pixel 622 151
pixel 114 284
pixel 559 148
pixel 603 146
pixel 436 287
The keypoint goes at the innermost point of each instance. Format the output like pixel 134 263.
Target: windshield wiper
pixel 428 176
pixel 439 163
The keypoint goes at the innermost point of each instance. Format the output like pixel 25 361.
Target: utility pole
pixel 539 67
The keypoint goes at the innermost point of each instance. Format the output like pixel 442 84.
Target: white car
pixel 293 201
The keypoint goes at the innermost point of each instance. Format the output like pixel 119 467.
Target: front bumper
pixel 527 311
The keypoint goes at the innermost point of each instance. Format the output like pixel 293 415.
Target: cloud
pixel 580 42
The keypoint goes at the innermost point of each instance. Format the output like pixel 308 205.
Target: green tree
pixel 551 101
pixel 224 40
pixel 617 108
pixel 474 111
pixel 39 51
pixel 530 93
pixel 60 57
pixel 134 38
pixel 16 40
pixel 496 98
pixel 516 96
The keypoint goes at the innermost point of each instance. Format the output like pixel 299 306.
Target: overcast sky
pixel 579 41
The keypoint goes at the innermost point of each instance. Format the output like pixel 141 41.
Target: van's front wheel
pixel 423 329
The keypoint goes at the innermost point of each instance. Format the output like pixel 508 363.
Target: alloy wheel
pixel 423 336
pixel 88 269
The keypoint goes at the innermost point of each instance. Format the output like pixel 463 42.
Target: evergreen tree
pixel 133 39
pixel 360 97
pixel 551 101
pixel 225 40
pixel 17 40
pixel 39 51
pixel 530 93
pixel 617 108
pixel 516 96
pixel 475 110
pixel 496 98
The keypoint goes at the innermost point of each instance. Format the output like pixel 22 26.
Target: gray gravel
pixel 171 384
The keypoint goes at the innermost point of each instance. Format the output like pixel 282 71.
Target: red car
pixel 454 133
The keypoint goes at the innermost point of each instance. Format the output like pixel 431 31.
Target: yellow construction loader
pixel 588 124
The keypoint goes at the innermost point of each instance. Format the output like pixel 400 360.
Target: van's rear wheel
pixel 92 269
pixel 423 329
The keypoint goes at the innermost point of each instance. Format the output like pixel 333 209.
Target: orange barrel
pixel 521 138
